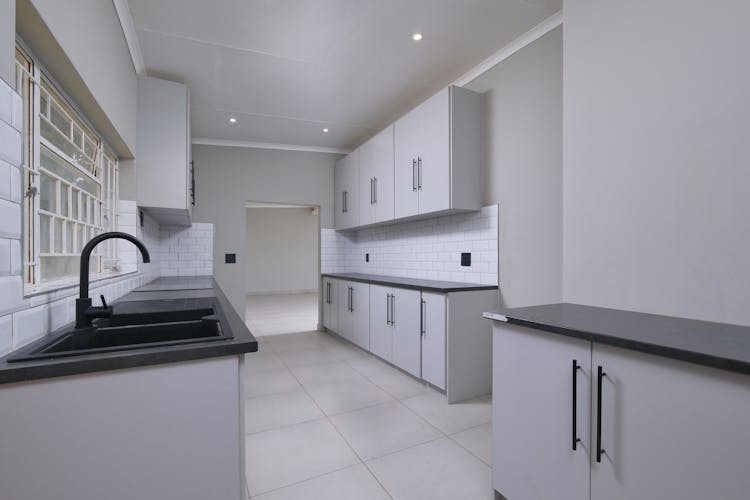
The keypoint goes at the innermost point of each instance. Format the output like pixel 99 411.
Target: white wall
pixel 8 41
pixel 523 110
pixel 227 177
pixel 657 159
pixel 84 47
pixel 282 250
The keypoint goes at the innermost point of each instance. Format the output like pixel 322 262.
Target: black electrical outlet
pixel 230 258
pixel 367 257
pixel 140 217
pixel 466 259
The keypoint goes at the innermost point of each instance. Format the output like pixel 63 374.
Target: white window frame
pixel 104 208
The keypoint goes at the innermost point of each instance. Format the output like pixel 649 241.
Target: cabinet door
pixel 330 305
pixel 384 175
pixel 405 146
pixel 381 333
pixel 346 184
pixel 532 422
pixel 368 157
pixel 344 313
pixel 670 429
pixel 407 340
pixel 433 162
pixel 433 338
pixel 360 328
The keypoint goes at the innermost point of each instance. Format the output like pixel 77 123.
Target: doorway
pixel 283 268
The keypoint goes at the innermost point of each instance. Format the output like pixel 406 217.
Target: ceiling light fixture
pixel 416 37
pixel 325 130
pixel 233 120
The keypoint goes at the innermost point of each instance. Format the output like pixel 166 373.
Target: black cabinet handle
pixel 422 313
pixel 375 189
pixel 388 309
pixel 600 374
pixel 393 309
pixel 576 367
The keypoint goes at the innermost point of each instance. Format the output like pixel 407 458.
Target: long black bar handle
pixel 393 309
pixel 422 318
pixel 576 439
pixel 413 174
pixel 600 374
pixel 419 173
pixel 388 309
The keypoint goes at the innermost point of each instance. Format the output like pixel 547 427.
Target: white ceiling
pixel 288 68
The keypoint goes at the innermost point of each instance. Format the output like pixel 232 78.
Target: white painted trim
pixel 522 41
pixel 204 141
pixel 128 29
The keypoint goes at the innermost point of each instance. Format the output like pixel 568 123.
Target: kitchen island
pixel 601 403
pixel 163 421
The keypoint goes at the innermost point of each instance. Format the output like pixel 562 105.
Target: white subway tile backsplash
pixel 6 334
pixel 29 325
pixel 10 143
pixel 187 251
pixel 10 219
pixel 425 249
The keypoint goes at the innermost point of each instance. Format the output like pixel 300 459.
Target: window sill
pixel 43 289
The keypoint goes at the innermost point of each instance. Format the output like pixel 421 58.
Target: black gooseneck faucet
pixel 84 310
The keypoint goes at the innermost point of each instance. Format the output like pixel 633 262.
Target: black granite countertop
pixel 242 341
pixel 718 345
pixel 413 283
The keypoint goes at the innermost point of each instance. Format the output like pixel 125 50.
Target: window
pixel 70 184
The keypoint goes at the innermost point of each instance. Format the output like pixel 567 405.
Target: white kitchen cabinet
pixel 376 179
pixel 438 153
pixel 405 322
pixel 533 399
pixel 433 338
pixel 381 333
pixel 669 429
pixel 354 312
pixel 163 170
pixel 346 191
pixel 330 304
pixel 395 319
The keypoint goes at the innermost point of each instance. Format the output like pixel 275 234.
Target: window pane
pixel 44 234
pixel 74 211
pixel 54 268
pixel 81 237
pixel 70 173
pixel 58 235
pixel 64 200
pixel 43 104
pixel 47 192
pixel 70 248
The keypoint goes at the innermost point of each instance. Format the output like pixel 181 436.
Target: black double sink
pixel 134 325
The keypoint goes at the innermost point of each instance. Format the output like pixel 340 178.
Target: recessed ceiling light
pixel 325 130
pixel 416 37
pixel 233 120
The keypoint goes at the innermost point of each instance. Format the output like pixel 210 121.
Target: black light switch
pixel 367 257
pixel 230 258
pixel 466 259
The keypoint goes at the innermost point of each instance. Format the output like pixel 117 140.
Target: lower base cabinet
pixel 440 338
pixel 330 304
pixel 354 312
pixel 667 429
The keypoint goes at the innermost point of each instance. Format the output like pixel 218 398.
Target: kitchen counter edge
pixel 242 342
pixel 716 345
pixel 411 283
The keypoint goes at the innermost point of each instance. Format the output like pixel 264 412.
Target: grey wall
pixel 8 41
pixel 657 159
pixel 283 250
pixel 84 46
pixel 523 109
pixel 227 177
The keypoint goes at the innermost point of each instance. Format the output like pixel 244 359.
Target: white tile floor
pixel 325 420
pixel 282 313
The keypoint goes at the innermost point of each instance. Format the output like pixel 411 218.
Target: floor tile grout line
pixel 308 479
pixel 344 439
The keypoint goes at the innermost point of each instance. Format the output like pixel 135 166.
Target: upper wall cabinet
pixel 163 170
pixel 376 179
pixel 438 149
pixel 346 195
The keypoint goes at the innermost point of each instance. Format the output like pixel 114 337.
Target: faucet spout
pixel 84 311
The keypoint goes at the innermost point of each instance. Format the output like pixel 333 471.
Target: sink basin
pixel 135 326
